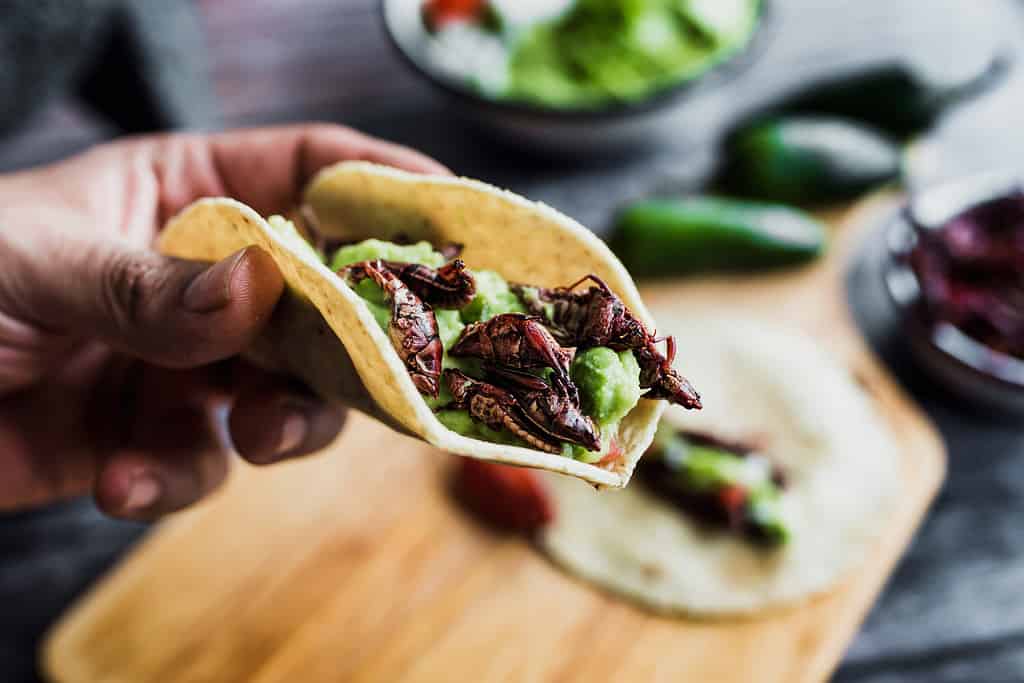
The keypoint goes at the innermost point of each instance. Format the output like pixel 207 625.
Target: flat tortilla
pixel 841 464
pixel 522 240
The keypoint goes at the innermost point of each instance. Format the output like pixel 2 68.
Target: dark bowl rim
pixel 719 71
pixel 914 318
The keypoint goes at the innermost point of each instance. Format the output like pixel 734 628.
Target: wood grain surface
pixel 353 565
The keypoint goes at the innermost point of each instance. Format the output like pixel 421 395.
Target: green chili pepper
pixel 894 97
pixel 695 234
pixel 807 160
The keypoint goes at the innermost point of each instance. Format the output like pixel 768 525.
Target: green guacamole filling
pixel 493 297
pixel 609 386
pixel 680 469
pixel 608 381
pixel 420 252
pixel 624 50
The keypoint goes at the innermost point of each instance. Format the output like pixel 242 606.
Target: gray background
pixel 954 610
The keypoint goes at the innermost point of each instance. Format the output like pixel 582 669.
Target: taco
pixel 439 305
pixel 774 492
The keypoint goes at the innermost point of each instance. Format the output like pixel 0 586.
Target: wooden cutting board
pixel 353 565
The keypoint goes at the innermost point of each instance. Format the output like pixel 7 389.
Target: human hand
pixel 115 361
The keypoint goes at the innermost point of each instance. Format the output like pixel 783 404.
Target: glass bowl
pixel 965 366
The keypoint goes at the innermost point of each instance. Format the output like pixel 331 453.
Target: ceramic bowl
pixel 614 128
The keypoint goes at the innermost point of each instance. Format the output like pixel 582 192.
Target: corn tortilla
pixel 323 333
pixel 842 469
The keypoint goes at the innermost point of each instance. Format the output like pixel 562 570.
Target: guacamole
pixel 597 52
pixel 609 386
pixel 448 323
pixel 367 250
pixel 493 297
pixel 625 50
pixel 717 481
pixel 608 382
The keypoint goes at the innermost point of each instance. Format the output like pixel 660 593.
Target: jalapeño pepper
pixel 895 97
pixel 696 234
pixel 807 160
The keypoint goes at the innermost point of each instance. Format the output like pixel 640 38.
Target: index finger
pixel 267 168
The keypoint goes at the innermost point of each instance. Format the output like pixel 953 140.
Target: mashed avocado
pixel 532 297
pixel 603 51
pixel 681 468
pixel 420 252
pixel 460 422
pixel 609 385
pixel 449 325
pixel 493 297
pixel 609 382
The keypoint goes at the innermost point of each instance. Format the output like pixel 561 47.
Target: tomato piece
pixel 507 497
pixel 438 13
pixel 613 454
pixel 732 498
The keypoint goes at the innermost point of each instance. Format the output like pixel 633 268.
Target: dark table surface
pixel 954 610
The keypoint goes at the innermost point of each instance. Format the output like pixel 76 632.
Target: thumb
pixel 167 311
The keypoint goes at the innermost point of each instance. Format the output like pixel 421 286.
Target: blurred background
pixel 91 71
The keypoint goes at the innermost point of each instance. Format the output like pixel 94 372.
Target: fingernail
pixel 144 491
pixel 211 289
pixel 293 432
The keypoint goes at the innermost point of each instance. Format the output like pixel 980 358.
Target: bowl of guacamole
pixel 576 72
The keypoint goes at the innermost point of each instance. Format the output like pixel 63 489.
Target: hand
pixel 115 362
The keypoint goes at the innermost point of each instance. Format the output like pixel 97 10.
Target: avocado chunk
pixel 608 382
pixel 493 297
pixel 609 386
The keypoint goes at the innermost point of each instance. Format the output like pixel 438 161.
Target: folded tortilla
pixel 323 333
pixel 842 470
